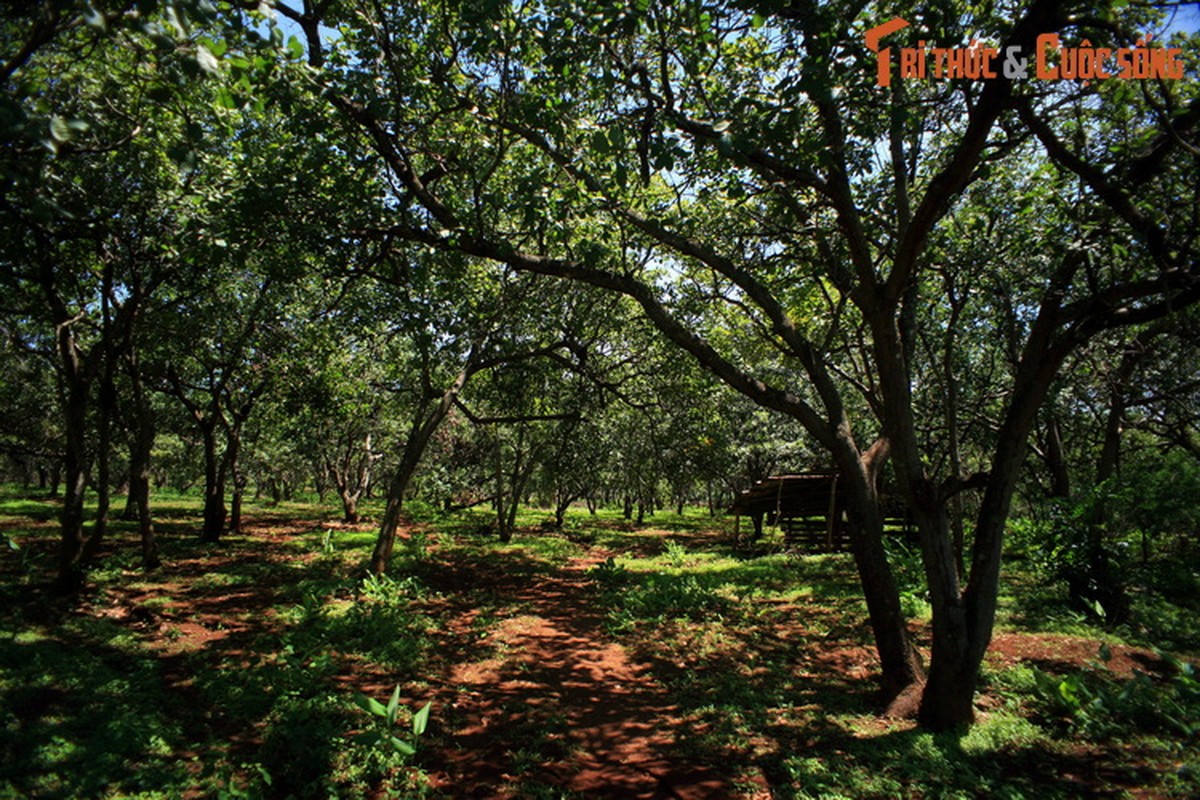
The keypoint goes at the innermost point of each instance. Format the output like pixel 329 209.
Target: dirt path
pixel 557 704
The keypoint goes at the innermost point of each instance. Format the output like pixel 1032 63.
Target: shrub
pixel 1095 703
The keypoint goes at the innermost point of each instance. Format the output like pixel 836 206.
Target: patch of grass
pixel 83 718
pixel 549 549
pixel 223 580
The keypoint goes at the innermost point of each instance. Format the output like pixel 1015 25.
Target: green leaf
pixel 206 60
pixel 59 129
pixel 393 706
pixel 370 705
pixel 421 719
pixel 403 746
pixel 225 99
pixel 94 18
pixel 295 47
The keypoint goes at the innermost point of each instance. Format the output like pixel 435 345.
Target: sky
pixel 1187 18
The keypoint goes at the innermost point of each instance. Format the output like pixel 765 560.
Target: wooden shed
pixel 808 507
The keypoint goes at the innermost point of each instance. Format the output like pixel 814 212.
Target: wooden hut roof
pixel 801 495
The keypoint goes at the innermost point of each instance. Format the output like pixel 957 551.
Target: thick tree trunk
pixel 414 448
pixel 948 697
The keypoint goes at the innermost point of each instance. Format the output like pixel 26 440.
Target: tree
pixel 751 174
pixel 83 256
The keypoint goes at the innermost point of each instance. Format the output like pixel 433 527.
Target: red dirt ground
pixel 617 722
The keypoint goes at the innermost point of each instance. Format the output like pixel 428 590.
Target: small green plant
pixel 384 735
pixel 609 573
pixel 388 591
pixel 676 553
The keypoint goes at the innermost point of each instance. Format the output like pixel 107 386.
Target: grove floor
pixel 603 662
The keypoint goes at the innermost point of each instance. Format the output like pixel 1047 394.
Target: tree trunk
pixel 560 510
pixel 232 466
pixel 139 488
pixel 425 424
pixel 139 463
pixel 70 572
pixel 349 506
pixel 130 512
pixel 351 477
pixel 214 485
pixel 1056 460
pixel 235 503
pixel 75 462
pixel 900 663
pixel 500 504
pixel 518 480
pixel 1105 585
pixel 963 620
pixel 107 407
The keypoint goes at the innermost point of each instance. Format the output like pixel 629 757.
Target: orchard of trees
pixel 586 256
